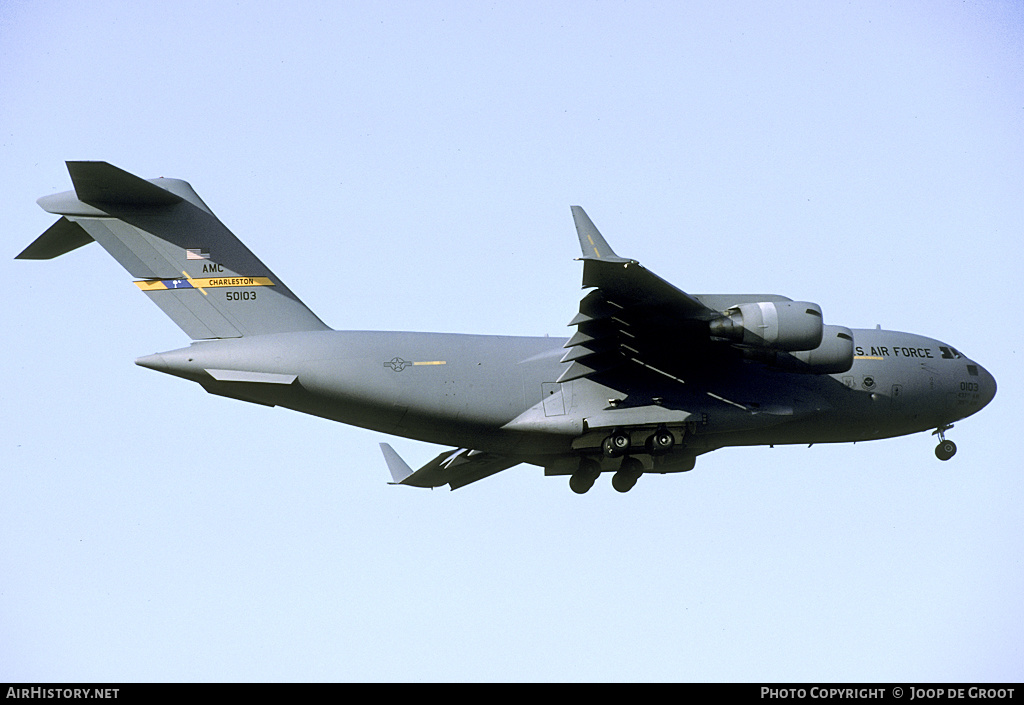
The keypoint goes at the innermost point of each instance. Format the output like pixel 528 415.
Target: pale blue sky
pixel 410 166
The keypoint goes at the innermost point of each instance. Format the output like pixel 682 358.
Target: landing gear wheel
pixel 945 450
pixel 580 484
pixel 616 445
pixel 660 442
pixel 627 475
pixel 583 479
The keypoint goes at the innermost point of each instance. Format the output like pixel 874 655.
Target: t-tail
pixel 183 257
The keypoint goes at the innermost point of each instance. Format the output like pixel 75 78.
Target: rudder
pixel 185 259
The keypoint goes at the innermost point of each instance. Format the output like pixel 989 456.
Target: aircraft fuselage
pixel 651 378
pixel 469 390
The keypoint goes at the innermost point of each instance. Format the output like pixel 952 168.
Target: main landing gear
pixel 618 444
pixel 585 476
pixel 629 472
pixel 946 449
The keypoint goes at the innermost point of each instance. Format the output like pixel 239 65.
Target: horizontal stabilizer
pixel 100 182
pixel 59 239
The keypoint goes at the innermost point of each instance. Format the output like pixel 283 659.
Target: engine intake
pixel 779 325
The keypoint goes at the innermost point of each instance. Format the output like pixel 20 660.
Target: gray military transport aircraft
pixel 651 378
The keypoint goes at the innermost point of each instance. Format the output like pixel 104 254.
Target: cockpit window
pixel 949 353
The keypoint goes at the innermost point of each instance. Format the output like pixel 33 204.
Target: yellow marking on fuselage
pixel 151 285
pixel 214 282
pixel 208 283
pixel 193 283
pixel 868 357
pixel 432 362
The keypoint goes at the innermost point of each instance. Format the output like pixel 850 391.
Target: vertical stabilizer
pixel 184 258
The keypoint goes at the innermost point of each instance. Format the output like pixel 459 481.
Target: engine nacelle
pixel 833 356
pixel 779 325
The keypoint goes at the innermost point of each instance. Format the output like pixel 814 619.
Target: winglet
pixel 400 470
pixel 592 242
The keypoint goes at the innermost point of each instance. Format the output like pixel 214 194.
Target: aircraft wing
pixel 455 468
pixel 632 318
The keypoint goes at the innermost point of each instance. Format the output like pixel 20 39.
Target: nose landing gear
pixel 946 449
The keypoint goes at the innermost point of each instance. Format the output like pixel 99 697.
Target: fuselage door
pixel 554 403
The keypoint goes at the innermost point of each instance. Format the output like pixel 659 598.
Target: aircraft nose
pixel 986 385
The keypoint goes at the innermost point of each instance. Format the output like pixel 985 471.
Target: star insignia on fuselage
pixel 397 364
